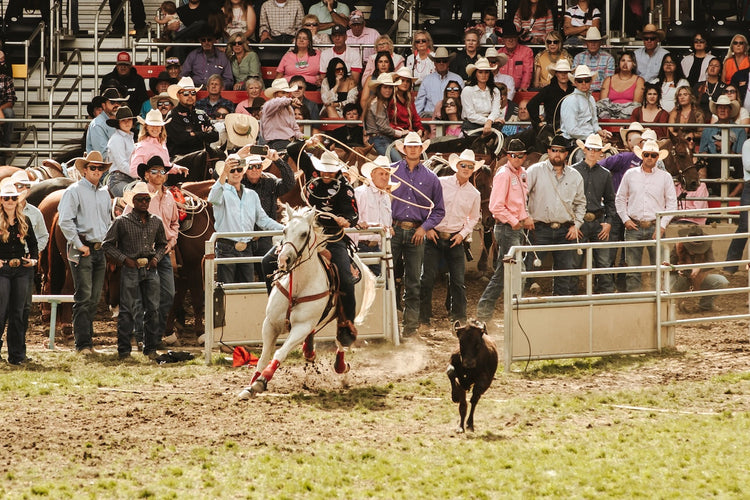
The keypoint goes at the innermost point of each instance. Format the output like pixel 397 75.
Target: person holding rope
pixel 374 202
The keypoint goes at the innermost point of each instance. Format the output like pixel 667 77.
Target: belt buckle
pixel 14 262
pixel 97 246
pixel 645 224
pixel 142 262
pixel 554 225
pixel 589 217
pixel 240 246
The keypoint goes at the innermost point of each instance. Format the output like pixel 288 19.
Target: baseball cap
pixel 338 30
pixel 172 61
pixel 123 58
pixel 356 17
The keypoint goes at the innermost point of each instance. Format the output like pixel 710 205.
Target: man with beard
pixel 188 130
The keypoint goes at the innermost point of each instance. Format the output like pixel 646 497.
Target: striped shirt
pixel 601 63
pixel 129 237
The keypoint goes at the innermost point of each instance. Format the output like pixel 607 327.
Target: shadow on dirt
pixel 572 367
pixel 369 398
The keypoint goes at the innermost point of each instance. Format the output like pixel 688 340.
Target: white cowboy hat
pixel 582 71
pixel 652 147
pixel 411 139
pixel 258 160
pixel 467 155
pixel 279 85
pixel 241 129
pixel 724 100
pixel 633 127
pixel 8 188
pixel 94 157
pixel 328 162
pixel 185 83
pixel 649 135
pixel 154 119
pixel 442 53
pixel 482 63
pixel 562 65
pixel 139 187
pixel 405 72
pixel 502 59
pixel 219 167
pixel 384 79
pixel 164 96
pixel 594 141
pixel 20 177
pixel 379 162
pixel 594 35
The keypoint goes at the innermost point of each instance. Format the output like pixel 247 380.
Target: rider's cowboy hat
pixel 388 79
pixel 482 64
pixel 241 129
pixel 652 29
pixel 8 188
pixel 559 141
pixel 113 95
pixel 633 127
pixel 405 72
pixel 582 71
pixel 411 139
pixel 724 100
pixel 562 65
pixel 21 177
pixel 139 187
pixel 694 247
pixel 154 161
pixel 651 147
pixel 93 158
pixel 466 156
pixel 593 141
pixel 164 96
pixel 219 168
pixel 154 118
pixel 123 113
pixel 442 53
pixel 328 162
pixel 594 35
pixel 185 83
pixel 649 135
pixel 501 59
pixel 279 85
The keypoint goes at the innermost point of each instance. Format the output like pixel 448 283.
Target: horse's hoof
pixel 246 393
pixel 346 333
pixel 259 385
pixel 340 366
pixel 459 430
pixel 310 356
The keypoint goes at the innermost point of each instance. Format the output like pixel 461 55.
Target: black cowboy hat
pixel 96 102
pixel 255 105
pixel 559 141
pixel 123 113
pixel 510 30
pixel 162 77
pixel 516 146
pixel 155 161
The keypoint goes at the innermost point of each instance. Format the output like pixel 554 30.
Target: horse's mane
pixel 304 212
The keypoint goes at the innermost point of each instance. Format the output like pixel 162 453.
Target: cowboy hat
pixel 442 53
pixel 384 79
pixel 154 161
pixel 219 168
pixel 328 162
pixel 652 29
pixel 379 162
pixel 724 100
pixel 650 147
pixel 241 129
pixel 694 247
pixel 8 188
pixel 560 141
pixel 161 77
pixel 509 30
pixel 405 72
pixel 466 156
pixel 21 177
pixel 594 141
pixel 411 139
pixel 482 63
pixel 633 127
pixel 154 119
pixel 516 146
pixel 94 157
pixel 649 135
pixel 279 85
pixel 123 113
pixel 164 96
pixel 185 83
pixel 501 59
pixel 113 95
pixel 594 35
pixel 139 187
pixel 258 160
pixel 562 65
pixel 582 71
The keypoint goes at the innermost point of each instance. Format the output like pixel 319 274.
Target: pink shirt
pixel 307 66
pixel 163 206
pixel 688 204
pixel 374 209
pixel 520 65
pixel 508 195
pixel 277 121
pixel 145 149
pixel 367 38
pixel 462 209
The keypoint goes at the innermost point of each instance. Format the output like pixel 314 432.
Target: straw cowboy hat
pixel 562 65
pixel 219 168
pixel 594 141
pixel 241 129
pixel 93 158
pixel 123 113
pixel 594 35
pixel 154 161
pixel 411 139
pixel 582 71
pixel 482 63
pixel 694 247
pixel 650 147
pixel 185 83
pixel 405 72
pixel 466 156
pixel 652 29
pixel 21 177
pixel 442 53
pixel 258 160
pixel 379 162
pixel 8 188
pixel 502 59
pixel 164 96
pixel 328 162
pixel 724 100
pixel 139 187
pixel 633 127
pixel 279 85
pixel 384 79
pixel 154 119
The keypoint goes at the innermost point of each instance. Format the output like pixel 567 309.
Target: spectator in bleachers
pixel 419 60
pixel 649 57
pixel 194 15
pixel 383 43
pixel 650 110
pixel 98 133
pixel 383 64
pixel 736 58
pixel 168 17
pixel 253 87
pixel 739 85
pixel 487 27
pixel 508 111
pixel 534 20
pixel 520 58
pixel 725 110
pixel 330 13
pixel 127 78
pixel 337 89
pixel 433 86
pixel 277 122
pixel 551 95
pixel 599 61
pixel 351 134
pixel 547 57
pixel 94 108
pixel 137 15
pixel 743 118
pixel 578 118
pixel 578 19
pixel 7 100
pixel 152 141
pixel 119 149
pixel 349 55
pixel 163 103
pixel 686 110
pixel 480 99
pixel 280 20
pixel 304 102
pixel 712 87
pixel 452 91
pixel 239 18
pixel 359 34
pixel 244 60
pixel 622 92
pixel 207 60
pixel 406 112
pixel 469 55
pixel 451 111
pixel 376 116
pixel 174 67
pixel 670 77
pixel 301 60
pixel 220 126
pixel 213 100
pixel 158 84
pixel 188 129
pixel 695 65
pixel 500 60
pixel 311 22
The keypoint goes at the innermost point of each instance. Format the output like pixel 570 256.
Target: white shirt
pixel 642 194
pixel 462 210
pixel 374 209
pixel 478 106
pixel 421 67
pixel 350 57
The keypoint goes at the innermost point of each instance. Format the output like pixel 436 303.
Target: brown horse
pixel 680 162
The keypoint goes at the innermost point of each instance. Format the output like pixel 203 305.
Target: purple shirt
pixel 425 182
pixel 619 164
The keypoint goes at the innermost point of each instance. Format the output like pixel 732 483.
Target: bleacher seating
pixel 148 70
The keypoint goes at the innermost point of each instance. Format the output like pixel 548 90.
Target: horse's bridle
pixel 310 246
pixel 679 176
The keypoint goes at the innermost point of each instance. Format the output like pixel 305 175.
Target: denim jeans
pixel 561 259
pixel 14 285
pixel 88 280
pixel 166 300
pixel 381 143
pixel 455 258
pixel 634 255
pixel 137 284
pixel 7 130
pixel 234 273
pixel 737 246
pixel 681 283
pixel 413 256
pixel 603 283
pixel 506 237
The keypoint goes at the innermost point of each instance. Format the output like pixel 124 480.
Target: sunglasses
pixel 558 150
pixel 10 198
pixel 738 42
pixel 650 38
pixel 238 42
pixel 516 155
pixel 465 165
pixel 141 199
pixel 161 104
pixel 552 42
pixel 20 185
pixel 450 104
pixel 441 61
pixel 731 91
pixel 453 89
pixel 650 155
pixel 100 168
pixel 256 166
pixel 699 40
pixel 201 40
pixel 157 171
pixel 221 115
pixel 311 24
pixel 189 92
pixel 690 139
pixel 420 41
pixel 237 170
pixel 339 69
pixel 583 80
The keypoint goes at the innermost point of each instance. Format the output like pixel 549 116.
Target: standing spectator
pixel 213 101
pixel 406 117
pixel 337 89
pixel 382 44
pixel 643 192
pixel 239 19
pixel 548 57
pixel 244 60
pixel 330 13
pixel 736 58
pixel 500 60
pixel 188 129
pixel 469 55
pixel 695 65
pixel 119 150
pixel 578 19
pixel 207 60
pixel 138 242
pixel 361 35
pixel 419 61
pixel 417 207
pixel 280 20
pixel 712 87
pixel 374 203
pixel 446 239
pixel 84 217
pixel 578 117
pixel 736 248
pixel 649 57
pixel 277 122
pixel 622 92
pixel 378 110
pixel 651 111
pixel 349 55
pixel 480 99
pixel 7 100
pixel 137 15
pixel 551 95
pixel 302 59
pixel 670 77
pixel 520 58
pixel 125 76
pixel 534 20
pixel 600 62
pixel 98 132
pixel 433 85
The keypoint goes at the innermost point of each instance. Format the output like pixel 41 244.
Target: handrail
pixel 38 31
pixel 30 130
pixel 124 6
pixel 76 84
pixel 55 13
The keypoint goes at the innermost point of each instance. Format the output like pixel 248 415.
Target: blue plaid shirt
pixel 601 63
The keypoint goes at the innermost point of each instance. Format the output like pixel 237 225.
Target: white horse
pixel 298 300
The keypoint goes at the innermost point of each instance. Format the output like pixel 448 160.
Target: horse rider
pixel 445 240
pixel 189 129
pixel 237 209
pixel 84 218
pixel 137 241
pixel 98 132
pixel 333 199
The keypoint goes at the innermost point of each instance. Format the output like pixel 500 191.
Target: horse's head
pixel 680 163
pixel 299 236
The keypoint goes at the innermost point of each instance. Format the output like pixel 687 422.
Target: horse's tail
pixel 368 297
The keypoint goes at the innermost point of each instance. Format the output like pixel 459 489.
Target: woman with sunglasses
pixel 337 89
pixel 245 61
pixel 239 18
pixel 419 60
pixel 302 60
pixel 383 43
pixel 694 65
pixel 16 270
pixel 686 110
pixel 534 19
pixel 312 23
pixel 452 91
pixel 670 77
pixel 736 58
pixel 383 64
pixel 650 110
pixel 152 141
pixel 549 56
pixel 743 118
pixel 451 111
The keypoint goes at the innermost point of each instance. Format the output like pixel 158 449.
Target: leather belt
pixel 444 236
pixel 12 262
pixel 592 216
pixel 405 224
pixel 95 245
pixel 554 225
pixel 240 246
pixel 644 224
